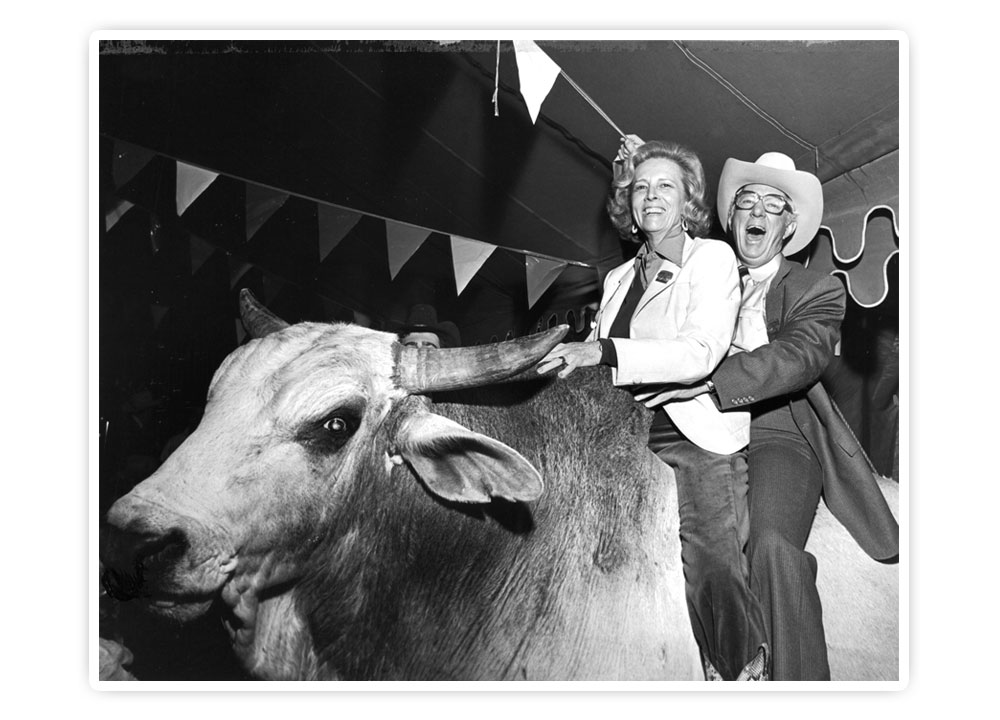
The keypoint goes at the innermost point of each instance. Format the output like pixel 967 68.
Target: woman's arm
pixel 689 351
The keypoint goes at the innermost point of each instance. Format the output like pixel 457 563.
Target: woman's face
pixel 658 197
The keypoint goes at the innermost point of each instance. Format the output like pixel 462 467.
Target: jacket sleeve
pixel 794 357
pixel 703 335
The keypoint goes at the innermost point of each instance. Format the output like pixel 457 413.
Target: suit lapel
pixel 774 303
pixel 617 297
pixel 666 276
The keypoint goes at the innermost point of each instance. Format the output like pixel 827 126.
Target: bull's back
pixel 586 582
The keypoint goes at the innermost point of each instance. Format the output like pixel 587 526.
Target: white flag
pixel 334 224
pixel 403 241
pixel 262 203
pixel 467 256
pixel 191 182
pixel 536 72
pixel 115 213
pixel 540 274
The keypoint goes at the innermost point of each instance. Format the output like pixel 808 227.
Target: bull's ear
pixel 458 464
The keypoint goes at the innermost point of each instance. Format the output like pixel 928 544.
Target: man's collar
pixel 767 270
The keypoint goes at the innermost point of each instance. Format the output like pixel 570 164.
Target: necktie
pixel 744 272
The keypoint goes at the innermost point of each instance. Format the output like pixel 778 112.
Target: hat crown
pixel 422 314
pixel 776 160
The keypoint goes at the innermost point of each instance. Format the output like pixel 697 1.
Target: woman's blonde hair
pixel 696 212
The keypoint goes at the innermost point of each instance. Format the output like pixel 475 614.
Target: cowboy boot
pixel 756 669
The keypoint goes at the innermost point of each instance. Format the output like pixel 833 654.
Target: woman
pixel 669 317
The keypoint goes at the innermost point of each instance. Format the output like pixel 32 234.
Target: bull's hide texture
pixel 583 583
pixel 596 589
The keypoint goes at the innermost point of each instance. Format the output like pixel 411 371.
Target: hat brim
pixel 803 188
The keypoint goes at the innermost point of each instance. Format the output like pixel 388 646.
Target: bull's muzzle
pixel 133 558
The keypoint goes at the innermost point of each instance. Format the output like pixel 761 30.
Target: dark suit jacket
pixel 804 310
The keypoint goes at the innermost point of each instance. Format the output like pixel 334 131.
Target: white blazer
pixel 680 331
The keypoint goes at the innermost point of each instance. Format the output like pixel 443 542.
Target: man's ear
pixel 790 229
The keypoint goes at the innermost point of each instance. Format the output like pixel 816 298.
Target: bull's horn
pixel 425 370
pixel 257 319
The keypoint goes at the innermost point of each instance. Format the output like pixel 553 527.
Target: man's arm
pixel 794 358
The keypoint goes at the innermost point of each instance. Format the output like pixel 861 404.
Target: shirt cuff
pixel 609 356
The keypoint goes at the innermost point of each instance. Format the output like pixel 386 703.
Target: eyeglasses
pixel 774 204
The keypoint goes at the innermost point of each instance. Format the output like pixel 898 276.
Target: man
pixel 422 329
pixel 800 446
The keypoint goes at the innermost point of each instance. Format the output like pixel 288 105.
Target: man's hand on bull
pixel 655 395
pixel 569 357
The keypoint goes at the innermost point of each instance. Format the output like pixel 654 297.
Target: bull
pixel 351 530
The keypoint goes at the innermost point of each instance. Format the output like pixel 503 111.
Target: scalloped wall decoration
pixel 860 250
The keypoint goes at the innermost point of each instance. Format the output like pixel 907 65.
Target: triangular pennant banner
pixel 128 160
pixel 272 286
pixel 191 182
pixel 158 311
pixel 262 203
pixel 334 224
pixel 468 256
pixel 200 252
pixel 403 241
pixel 536 72
pixel 115 213
pixel 540 274
pixel 237 269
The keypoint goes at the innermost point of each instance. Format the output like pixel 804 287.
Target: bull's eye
pixel 329 433
pixel 335 425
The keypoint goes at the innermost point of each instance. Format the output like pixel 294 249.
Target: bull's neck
pixel 277 645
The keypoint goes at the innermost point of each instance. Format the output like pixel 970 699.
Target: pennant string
pixel 496 85
pixel 594 105
pixel 695 60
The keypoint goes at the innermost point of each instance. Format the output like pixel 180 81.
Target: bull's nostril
pixel 133 559
pixel 123 584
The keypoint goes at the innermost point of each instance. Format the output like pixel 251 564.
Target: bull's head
pixel 294 418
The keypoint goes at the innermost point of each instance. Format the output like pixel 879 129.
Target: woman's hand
pixel 628 146
pixel 570 356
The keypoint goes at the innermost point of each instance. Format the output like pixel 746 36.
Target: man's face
pixel 760 234
pixel 421 339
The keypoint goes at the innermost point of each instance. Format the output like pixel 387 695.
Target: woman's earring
pixel 635 229
pixel 684 224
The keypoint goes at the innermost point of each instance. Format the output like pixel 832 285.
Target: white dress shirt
pixel 751 323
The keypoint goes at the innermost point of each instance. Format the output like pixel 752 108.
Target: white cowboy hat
pixel 777 170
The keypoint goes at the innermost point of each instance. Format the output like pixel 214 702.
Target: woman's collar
pixel 670 253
